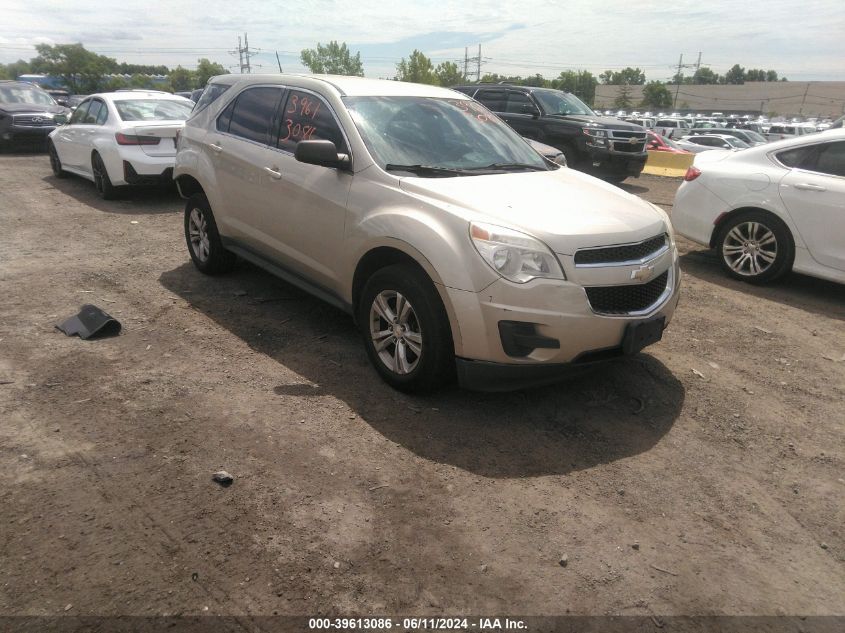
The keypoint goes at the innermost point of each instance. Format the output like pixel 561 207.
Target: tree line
pixel 84 72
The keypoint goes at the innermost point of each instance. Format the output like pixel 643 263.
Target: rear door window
pixel 253 113
pixel 306 117
pixel 830 159
pixel 495 100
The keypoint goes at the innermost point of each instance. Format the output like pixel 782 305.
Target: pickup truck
pixel 602 146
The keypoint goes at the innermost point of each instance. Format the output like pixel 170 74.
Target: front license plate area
pixel 642 334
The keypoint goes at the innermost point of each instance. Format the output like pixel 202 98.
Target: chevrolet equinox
pixel 456 247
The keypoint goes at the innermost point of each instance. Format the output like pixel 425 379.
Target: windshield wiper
pixel 509 167
pixel 427 170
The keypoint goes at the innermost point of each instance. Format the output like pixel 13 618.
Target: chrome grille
pixel 33 120
pixel 628 140
pixel 621 254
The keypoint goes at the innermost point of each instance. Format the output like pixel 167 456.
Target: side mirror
pixel 323 153
pixel 654 144
pixel 530 109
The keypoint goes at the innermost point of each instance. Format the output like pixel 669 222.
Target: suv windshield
pixel 25 94
pixel 153 109
pixel 557 102
pixel 447 134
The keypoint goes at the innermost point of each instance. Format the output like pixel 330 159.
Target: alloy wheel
pixel 395 332
pixel 198 232
pixel 750 249
pixel 99 170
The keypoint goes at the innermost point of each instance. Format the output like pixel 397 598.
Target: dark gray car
pixel 27 113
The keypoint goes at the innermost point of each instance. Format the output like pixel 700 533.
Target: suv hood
pixel 564 208
pixel 20 108
pixel 604 122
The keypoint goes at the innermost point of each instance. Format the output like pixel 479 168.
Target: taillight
pixel 693 172
pixel 131 139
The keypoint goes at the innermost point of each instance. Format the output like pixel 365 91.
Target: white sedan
pixel 770 209
pixel 120 138
pixel 704 142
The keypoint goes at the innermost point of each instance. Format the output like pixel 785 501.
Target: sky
pixel 802 41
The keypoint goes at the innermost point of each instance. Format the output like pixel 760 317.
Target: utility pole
pixel 803 99
pixel 478 72
pixel 678 80
pixel 278 61
pixel 246 54
pixel 466 61
pixel 679 77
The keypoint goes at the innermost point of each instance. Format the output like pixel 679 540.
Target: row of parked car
pixel 457 248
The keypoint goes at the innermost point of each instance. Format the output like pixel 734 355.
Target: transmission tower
pixel 244 54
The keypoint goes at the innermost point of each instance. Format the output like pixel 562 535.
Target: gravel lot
pixel 702 477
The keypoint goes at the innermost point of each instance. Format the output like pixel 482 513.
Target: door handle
pixel 216 148
pixel 275 174
pixel 805 186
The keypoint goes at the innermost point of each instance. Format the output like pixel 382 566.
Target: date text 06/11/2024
pixel 417 624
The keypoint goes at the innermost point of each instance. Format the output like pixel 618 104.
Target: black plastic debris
pixel 91 322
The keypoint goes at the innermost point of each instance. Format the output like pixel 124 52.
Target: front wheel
pixel 755 247
pixel 405 329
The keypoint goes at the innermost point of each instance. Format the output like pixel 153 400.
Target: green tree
pixel 494 78
pixel 206 69
pixel 333 59
pixel 755 74
pixel 182 79
pixel 704 75
pixel 115 82
pixel 14 70
pixel 632 76
pixel 623 97
pixel 736 75
pixel 582 84
pixel 418 69
pixel 537 81
pixel 448 74
pixel 81 70
pixel 771 75
pixel 656 95
pixel 139 80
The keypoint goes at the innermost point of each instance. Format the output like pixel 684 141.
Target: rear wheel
pixel 55 163
pixel 102 181
pixel 755 246
pixel 204 243
pixel 405 329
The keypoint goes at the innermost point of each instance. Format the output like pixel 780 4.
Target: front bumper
pixel 631 163
pixel 558 311
pixel 14 133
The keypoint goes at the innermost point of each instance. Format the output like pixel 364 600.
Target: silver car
pixel 456 247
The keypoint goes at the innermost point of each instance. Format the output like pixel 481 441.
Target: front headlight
pixel 514 255
pixel 595 133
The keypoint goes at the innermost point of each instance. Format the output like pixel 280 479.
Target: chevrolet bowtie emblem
pixel 642 273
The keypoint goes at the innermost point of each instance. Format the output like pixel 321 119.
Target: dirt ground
pixel 702 477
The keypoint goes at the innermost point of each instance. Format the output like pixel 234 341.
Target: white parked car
pixel 120 138
pixel 670 127
pixel 702 142
pixel 455 246
pixel 770 209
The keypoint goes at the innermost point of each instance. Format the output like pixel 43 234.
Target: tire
pixel 755 246
pixel 102 182
pixel 417 353
pixel 203 238
pixel 571 156
pixel 614 179
pixel 55 162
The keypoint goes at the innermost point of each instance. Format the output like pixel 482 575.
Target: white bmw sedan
pixel 120 138
pixel 770 209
